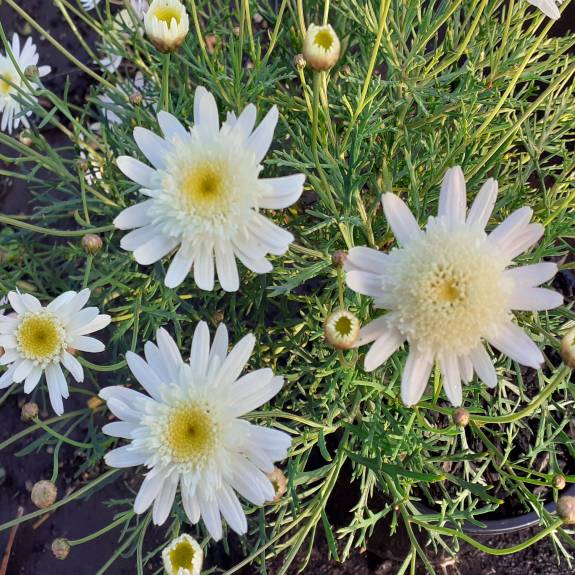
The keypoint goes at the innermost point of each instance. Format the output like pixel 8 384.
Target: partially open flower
pixel 183 556
pixel 167 24
pixel 60 548
pixel 568 348
pixel 321 47
pixel 566 509
pixel 92 243
pixel 341 329
pixel 44 494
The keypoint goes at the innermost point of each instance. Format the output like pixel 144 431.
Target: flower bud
pixel 60 548
pixel 339 258
pixel 31 72
pixel 136 98
pixel 29 411
pixel 279 481
pixel 92 243
pixel 566 509
pixel 299 61
pixel 568 348
pixel 321 47
pixel 559 481
pixel 25 138
pixel 461 417
pixel 183 555
pixel 44 494
pixel 166 23
pixel 341 329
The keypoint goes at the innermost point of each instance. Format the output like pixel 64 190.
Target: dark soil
pixel 31 553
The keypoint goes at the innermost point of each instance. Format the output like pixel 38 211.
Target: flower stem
pixel 50 232
pixel 124 517
pixel 165 98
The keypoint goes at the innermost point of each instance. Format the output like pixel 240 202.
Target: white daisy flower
pixel 321 47
pixel 204 195
pixel 167 24
pixel 183 556
pixel 12 87
pixel 449 291
pixel 549 7
pixel 38 339
pixel 189 431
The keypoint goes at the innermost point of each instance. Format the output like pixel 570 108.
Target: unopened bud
pixel 83 164
pixel 568 348
pixel 25 138
pixel 218 316
pixel 566 509
pixel 279 481
pixel 299 61
pixel 341 329
pixel 29 411
pixel 31 72
pixel 167 24
pixel 461 417
pixel 92 243
pixel 559 481
pixel 136 98
pixel 44 494
pixel 321 47
pixel 339 258
pixel 60 548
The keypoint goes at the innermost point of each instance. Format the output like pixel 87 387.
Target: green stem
pixel 61 437
pixel 301 19
pixel 50 232
pixel 165 98
pixel 122 519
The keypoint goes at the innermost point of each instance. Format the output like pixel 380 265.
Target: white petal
pixel 452 198
pixel 366 259
pixel 483 366
pixel 155 249
pixel 135 216
pixel 153 146
pixel 253 390
pixel 236 360
pixel 548 7
pixel 364 283
pixel 81 318
pixel 122 411
pixel 515 343
pixel 200 352
pixel 532 275
pixel 231 509
pixel 269 234
pixel 465 368
pixel 165 500
pixel 6 379
pixel 211 516
pixel 90 344
pixel 54 390
pixel 511 226
pixel 261 138
pixel 137 238
pixel 33 379
pixel 61 301
pixel 146 376
pixel 249 481
pixel 123 429
pixel 451 378
pixel 170 353
pixel 523 241
pixel 22 371
pixel 483 205
pixel 150 489
pixel 73 366
pixel 206 120
pixel 77 302
pixel 400 219
pixel 191 506
pixel 383 347
pixel 204 267
pixel 98 323
pixel 534 299
pixel 179 267
pixel 246 121
pixel 171 128
pixel 372 331
pixel 16 302
pixel 220 343
pixel 31 303
pixel 124 456
pixel 281 192
pixel 415 376
pixel 226 266
pixel 137 171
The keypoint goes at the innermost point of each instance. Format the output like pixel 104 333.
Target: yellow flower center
pixel 167 14
pixel 447 288
pixel 40 337
pixel 191 433
pixel 204 188
pixel 182 555
pixel 343 326
pixel 7 82
pixel 324 39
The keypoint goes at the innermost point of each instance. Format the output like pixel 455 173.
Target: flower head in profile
pixel 449 289
pixel 37 340
pixel 183 556
pixel 13 89
pixel 321 47
pixel 204 195
pixel 190 430
pixel 167 24
pixel 549 7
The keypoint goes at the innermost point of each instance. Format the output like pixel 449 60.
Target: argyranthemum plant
pixel 188 431
pixel 205 194
pixel 12 85
pixel 449 289
pixel 38 339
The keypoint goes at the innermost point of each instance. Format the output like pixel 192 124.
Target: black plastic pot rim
pixel 506 524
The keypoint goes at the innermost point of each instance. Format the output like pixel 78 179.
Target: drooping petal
pixel 137 171
pixel 534 299
pixel 125 456
pixel 382 348
pixel 367 260
pixel 451 378
pixel 281 192
pixel 415 376
pixel 515 343
pixel 532 275
pixel 135 216
pixel 364 283
pixel 483 366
